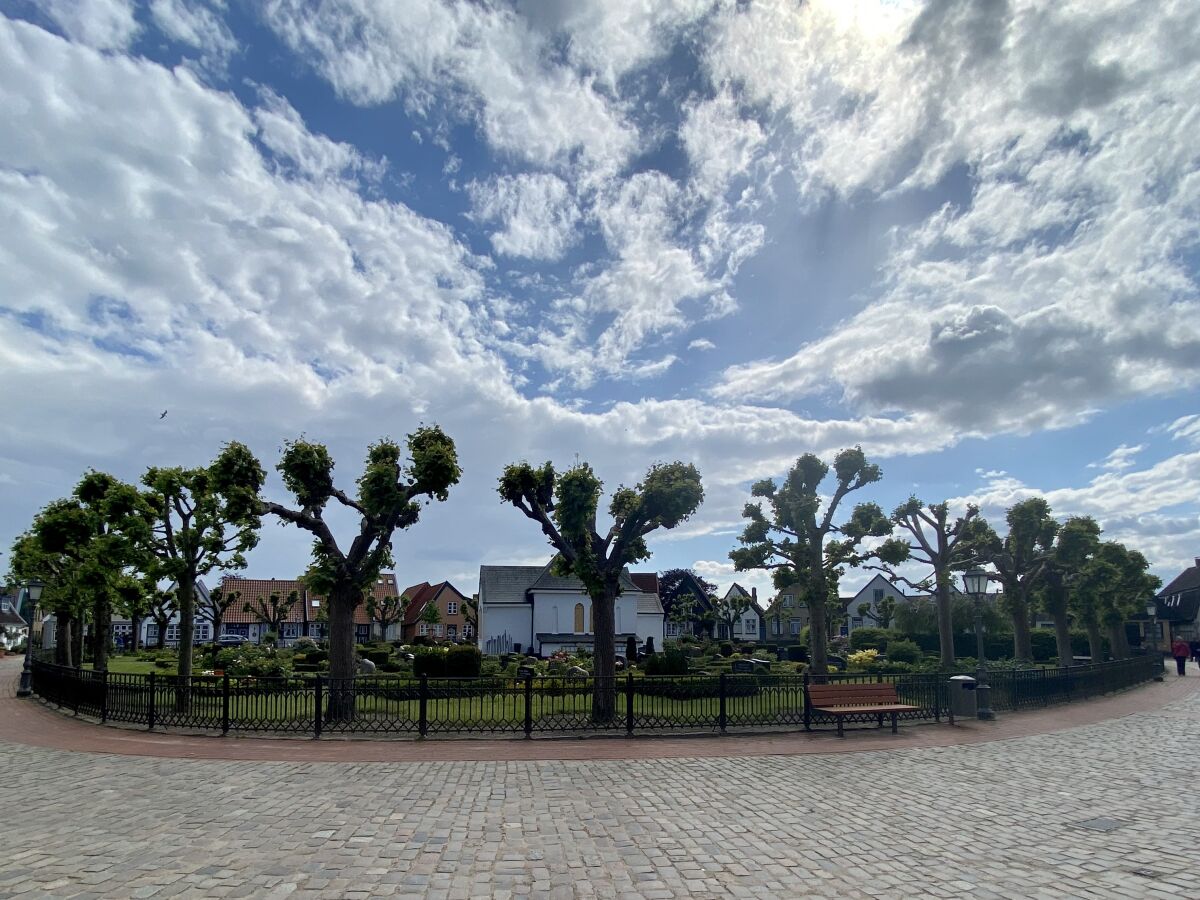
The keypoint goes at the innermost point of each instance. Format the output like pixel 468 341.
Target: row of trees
pixel 111 544
pixel 1064 569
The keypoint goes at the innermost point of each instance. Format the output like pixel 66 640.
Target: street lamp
pixel 975 581
pixel 33 593
pixel 1152 615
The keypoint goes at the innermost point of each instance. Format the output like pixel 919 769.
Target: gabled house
pixel 701 611
pixel 749 624
pixel 451 605
pixel 1178 604
pixel 13 629
pixel 307 618
pixel 868 607
pixel 529 608
pixel 786 616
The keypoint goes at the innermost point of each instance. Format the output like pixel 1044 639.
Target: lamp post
pixel 33 593
pixel 975 581
pixel 1152 615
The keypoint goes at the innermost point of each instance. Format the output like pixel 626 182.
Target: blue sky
pixel 962 235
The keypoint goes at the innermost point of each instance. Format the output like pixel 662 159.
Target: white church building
pixel 523 608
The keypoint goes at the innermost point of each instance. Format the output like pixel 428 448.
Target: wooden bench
pixel 841 700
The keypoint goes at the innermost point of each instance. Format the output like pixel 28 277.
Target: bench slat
pixel 850 710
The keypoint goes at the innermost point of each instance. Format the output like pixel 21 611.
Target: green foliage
pixel 386 611
pixel 870 638
pixel 251 660
pixel 431 662
pixel 904 651
pixel 164 663
pixel 797 653
pixel 671 661
pixel 725 648
pixel 464 661
pixel 378 657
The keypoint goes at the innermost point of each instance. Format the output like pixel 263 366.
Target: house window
pixel 878 595
pixel 787 601
pixel 843 630
pixel 775 628
pixel 751 626
pixel 452 631
pixel 578 618
pixel 468 630
pixel 291 629
pixel 795 627
pixel 437 630
pixel 672 629
pixel 856 622
pixel 452 607
pixel 423 628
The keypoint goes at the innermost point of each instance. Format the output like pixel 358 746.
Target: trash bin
pixel 963 700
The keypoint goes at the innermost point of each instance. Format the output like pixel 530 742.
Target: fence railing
pixel 317 705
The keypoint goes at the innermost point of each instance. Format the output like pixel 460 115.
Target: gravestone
pixel 526 671
pixel 742 667
pixel 366 667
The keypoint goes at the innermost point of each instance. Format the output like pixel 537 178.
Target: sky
pixel 963 235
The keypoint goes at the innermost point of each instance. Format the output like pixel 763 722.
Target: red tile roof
pixel 253 588
pixel 646 581
pixel 421 594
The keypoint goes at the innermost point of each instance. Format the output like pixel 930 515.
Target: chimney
pixel 754 592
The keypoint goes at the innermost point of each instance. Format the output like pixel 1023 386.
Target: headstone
pixel 577 671
pixel 742 667
pixel 526 671
pixel 366 667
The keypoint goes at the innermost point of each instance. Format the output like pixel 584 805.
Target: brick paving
pixel 997 818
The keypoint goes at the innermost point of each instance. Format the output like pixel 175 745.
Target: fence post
pixel 153 700
pixel 104 696
pixel 629 703
pixel 224 703
pixel 423 706
pixel 529 706
pixel 1067 682
pixel 318 699
pixel 723 720
pixel 807 712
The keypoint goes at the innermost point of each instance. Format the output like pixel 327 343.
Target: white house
pixel 748 625
pixel 13 628
pixel 529 608
pixel 873 593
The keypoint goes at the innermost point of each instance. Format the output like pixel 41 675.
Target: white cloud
pixel 1123 457
pixel 537 213
pixel 720 143
pixel 198 25
pixel 103 24
pixel 702 344
pixel 1061 287
pixel 1187 428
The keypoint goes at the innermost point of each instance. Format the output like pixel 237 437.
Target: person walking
pixel 1195 645
pixel 1181 651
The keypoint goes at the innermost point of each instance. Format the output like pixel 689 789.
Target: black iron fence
pixel 317 705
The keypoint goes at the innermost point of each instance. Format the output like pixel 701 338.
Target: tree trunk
pixel 185 602
pixel 1095 642
pixel 1022 641
pixel 78 627
pixel 1117 642
pixel 1062 637
pixel 135 621
pixel 102 624
pixel 818 655
pixel 945 622
pixel 604 628
pixel 342 601
pixel 62 637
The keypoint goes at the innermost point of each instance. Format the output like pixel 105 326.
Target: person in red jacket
pixel 1180 650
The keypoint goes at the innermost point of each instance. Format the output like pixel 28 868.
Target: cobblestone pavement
pixel 999 819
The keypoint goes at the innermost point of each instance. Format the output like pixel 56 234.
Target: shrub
pixel 863 658
pixel 490 666
pixel 631 648
pixel 163 664
pixel 903 651
pixel 271 638
pixel 422 640
pixel 431 662
pixel 464 661
pixel 669 662
pixel 726 649
pixel 650 645
pixel 869 639
pixel 388 666
pixel 797 653
pixel 305 643
pixel 1043 644
pixel 316 656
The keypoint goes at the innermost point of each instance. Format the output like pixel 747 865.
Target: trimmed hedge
pixel 672 661
pixel 697 688
pixel 463 661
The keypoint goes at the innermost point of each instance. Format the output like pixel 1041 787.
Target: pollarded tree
pixel 160 610
pixel 216 608
pixel 881 613
pixel 431 616
pixel 390 492
pixel 386 611
pixel 728 610
pixel 1020 562
pixel 565 507
pixel 930 537
pixel 794 543
pixel 272 611
pixel 101 530
pixel 1076 543
pixel 133 603
pixel 686 597
pixel 1117 580
pixel 207 519
pixel 29 560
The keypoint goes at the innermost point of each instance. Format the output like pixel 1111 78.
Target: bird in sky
pixel 164 414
